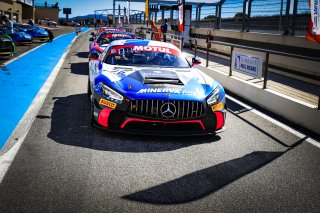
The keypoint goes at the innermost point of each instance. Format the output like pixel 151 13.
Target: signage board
pixel 247 64
pixel 66 10
pixel 28 2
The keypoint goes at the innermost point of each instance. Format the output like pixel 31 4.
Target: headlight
pixel 111 94
pixel 214 97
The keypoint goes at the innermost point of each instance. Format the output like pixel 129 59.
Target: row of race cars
pixel 148 87
pixel 22 34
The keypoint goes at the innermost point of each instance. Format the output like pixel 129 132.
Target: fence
pixel 266 64
pixel 274 16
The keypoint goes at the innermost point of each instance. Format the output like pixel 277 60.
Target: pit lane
pixel 64 164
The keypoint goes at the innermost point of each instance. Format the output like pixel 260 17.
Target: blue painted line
pixel 21 80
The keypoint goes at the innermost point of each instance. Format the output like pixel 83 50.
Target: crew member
pixel 164 29
pixel 8 24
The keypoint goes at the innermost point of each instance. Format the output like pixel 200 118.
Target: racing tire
pixel 91 113
pixel 89 93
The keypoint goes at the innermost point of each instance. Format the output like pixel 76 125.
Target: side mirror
pixel 91 39
pixel 195 61
pixel 93 56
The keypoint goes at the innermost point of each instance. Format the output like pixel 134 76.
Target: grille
pixel 166 110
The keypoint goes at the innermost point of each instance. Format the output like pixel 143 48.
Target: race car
pixel 35 32
pixel 148 87
pixel 104 38
pixel 110 29
pixel 7 47
pixel 18 37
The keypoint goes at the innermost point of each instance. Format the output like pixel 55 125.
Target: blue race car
pixel 18 37
pixel 35 32
pixel 148 87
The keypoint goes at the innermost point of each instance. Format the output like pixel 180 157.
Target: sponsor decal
pixel 152 49
pixel 167 90
pixel 107 103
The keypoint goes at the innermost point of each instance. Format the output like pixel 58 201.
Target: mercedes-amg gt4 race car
pixel 148 87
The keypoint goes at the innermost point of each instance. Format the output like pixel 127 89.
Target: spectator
pixel 50 34
pixel 155 33
pixel 77 28
pixel 30 22
pixel 8 25
pixel 164 29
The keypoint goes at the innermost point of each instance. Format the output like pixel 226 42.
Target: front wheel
pixel 89 93
pixel 91 112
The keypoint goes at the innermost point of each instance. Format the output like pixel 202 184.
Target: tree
pixel 210 18
pixel 239 16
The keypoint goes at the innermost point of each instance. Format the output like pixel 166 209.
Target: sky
pixel 84 7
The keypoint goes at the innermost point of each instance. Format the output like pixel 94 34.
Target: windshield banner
pixel 128 49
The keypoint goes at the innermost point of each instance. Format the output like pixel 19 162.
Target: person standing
pixel 8 24
pixel 30 22
pixel 164 29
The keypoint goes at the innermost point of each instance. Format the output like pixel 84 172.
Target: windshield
pixel 145 56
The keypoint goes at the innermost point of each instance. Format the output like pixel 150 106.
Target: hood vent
pixel 162 81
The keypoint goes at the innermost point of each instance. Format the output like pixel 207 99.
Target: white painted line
pixel 7 158
pixel 272 120
pixel 25 123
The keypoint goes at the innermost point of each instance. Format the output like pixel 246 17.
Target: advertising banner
pixel 147 10
pixel 247 64
pixel 128 12
pixel 119 19
pixel 313 33
pixel 180 15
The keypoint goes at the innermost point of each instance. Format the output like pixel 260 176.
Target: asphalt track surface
pixel 65 165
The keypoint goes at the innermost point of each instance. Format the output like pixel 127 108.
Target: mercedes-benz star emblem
pixel 168 110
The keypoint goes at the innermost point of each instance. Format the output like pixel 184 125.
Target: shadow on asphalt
pixel 199 184
pixel 82 54
pixel 236 110
pixel 80 68
pixel 70 125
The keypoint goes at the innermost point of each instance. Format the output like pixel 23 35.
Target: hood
pixel 22 35
pixel 161 83
pixel 40 31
